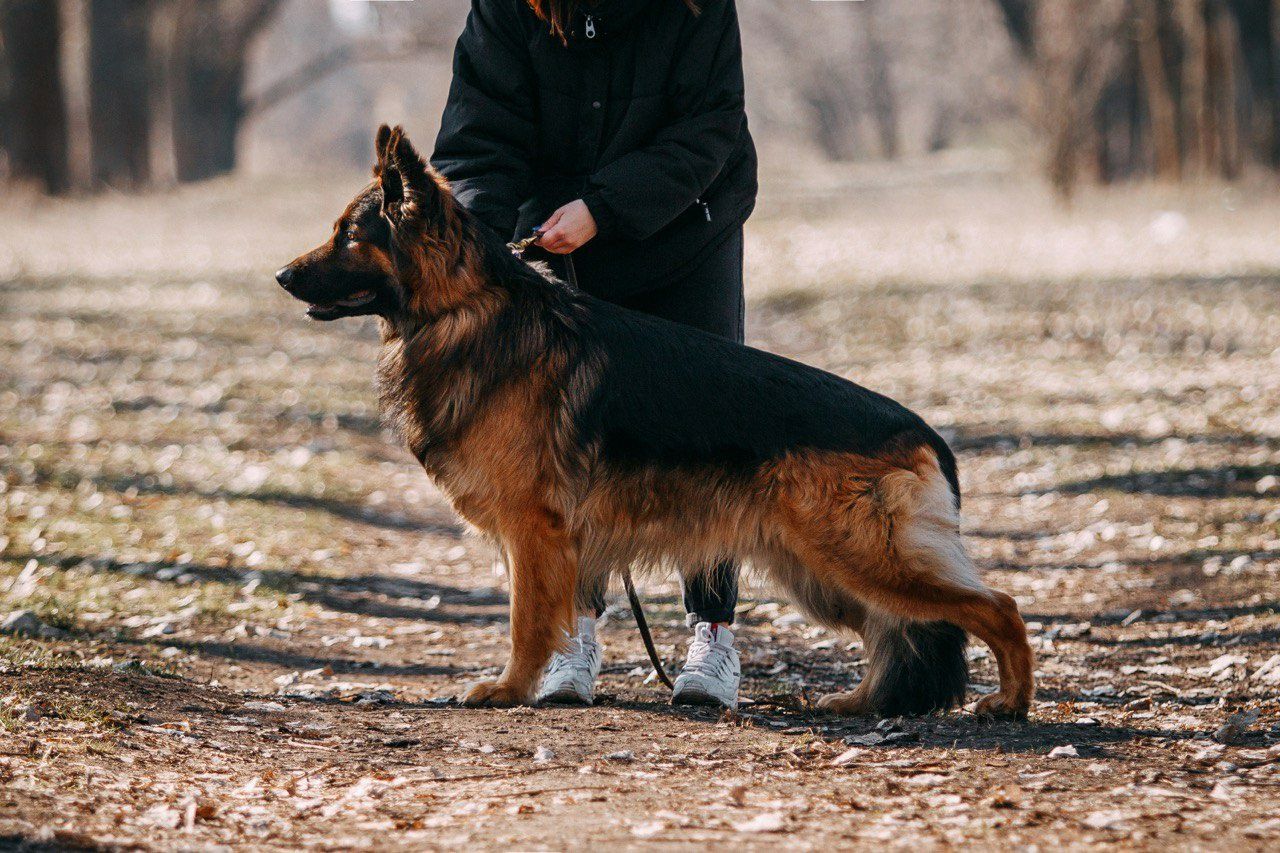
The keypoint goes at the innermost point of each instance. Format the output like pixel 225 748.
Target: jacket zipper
pixel 589 29
pixel 706 208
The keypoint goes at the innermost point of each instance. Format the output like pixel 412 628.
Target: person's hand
pixel 568 228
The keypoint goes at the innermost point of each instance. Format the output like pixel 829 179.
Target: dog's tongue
pixel 356 299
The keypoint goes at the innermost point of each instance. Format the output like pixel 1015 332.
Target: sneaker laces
pixel 578 655
pixel 706 656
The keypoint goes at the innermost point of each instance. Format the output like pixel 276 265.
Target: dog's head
pixel 400 226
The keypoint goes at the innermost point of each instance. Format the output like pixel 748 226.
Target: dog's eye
pixel 353 237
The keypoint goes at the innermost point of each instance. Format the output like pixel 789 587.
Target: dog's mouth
pixel 333 310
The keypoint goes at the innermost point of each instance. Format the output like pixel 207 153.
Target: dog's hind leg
pixel 912 667
pixel 914 596
pixel 890 540
pixel 542 562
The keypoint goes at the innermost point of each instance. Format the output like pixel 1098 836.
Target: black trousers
pixel 710 297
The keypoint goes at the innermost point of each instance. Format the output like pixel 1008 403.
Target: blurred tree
pixel 126 93
pixel 849 93
pixel 1018 20
pixel 119 85
pixel 123 93
pixel 212 42
pixel 882 95
pixel 878 80
pixel 32 112
pixel 1152 88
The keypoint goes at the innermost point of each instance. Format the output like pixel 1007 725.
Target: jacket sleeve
pixel 637 194
pixel 486 141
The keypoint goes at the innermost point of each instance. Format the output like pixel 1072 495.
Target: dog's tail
pixel 914 667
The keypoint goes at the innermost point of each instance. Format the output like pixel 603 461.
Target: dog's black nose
pixel 284 275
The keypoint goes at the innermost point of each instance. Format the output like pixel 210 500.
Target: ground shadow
pixel 359 513
pixel 1193 558
pixel 1220 482
pixel 977 439
pixel 344 593
pixel 784 716
pixel 58 844
pixel 1218 639
pixel 289 659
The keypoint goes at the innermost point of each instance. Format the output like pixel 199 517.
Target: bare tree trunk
pixel 884 106
pixel 74 72
pixel 944 61
pixel 1159 98
pixel 162 36
pixel 119 91
pixel 834 114
pixel 1225 69
pixel 1195 89
pixel 1064 116
pixel 1163 87
pixel 1019 20
pixel 1275 84
pixel 214 37
pixel 34 126
pixel 1080 50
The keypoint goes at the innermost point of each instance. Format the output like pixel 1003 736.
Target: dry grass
pixel 196 489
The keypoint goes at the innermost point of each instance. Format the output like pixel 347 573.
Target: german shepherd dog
pixel 583 438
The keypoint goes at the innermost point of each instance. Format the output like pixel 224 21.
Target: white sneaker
pixel 570 678
pixel 711 672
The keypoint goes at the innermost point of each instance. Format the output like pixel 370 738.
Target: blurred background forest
pixel 127 94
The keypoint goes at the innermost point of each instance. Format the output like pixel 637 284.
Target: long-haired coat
pixel 584 437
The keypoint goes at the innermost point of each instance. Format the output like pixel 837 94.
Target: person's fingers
pixel 551 237
pixel 568 233
pixel 552 221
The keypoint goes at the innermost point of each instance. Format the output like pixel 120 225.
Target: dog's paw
pixel 851 704
pixel 1002 706
pixel 496 694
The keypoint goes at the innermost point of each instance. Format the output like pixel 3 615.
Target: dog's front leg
pixel 542 564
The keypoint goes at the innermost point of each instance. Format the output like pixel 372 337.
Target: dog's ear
pixel 410 193
pixel 380 150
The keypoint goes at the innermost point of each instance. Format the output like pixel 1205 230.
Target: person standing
pixel 617 128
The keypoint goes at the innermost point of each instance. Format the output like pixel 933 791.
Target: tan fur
pixel 866 543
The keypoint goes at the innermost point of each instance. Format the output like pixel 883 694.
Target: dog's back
pixel 676 395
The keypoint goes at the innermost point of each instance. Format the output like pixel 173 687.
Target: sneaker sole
pixel 564 697
pixel 694 696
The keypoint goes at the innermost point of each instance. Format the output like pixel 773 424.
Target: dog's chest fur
pixel 486 440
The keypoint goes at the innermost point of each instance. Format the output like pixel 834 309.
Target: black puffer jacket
pixel 640 115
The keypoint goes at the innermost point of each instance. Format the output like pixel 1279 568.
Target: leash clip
pixel 519 247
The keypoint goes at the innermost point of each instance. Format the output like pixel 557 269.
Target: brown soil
pixel 266 609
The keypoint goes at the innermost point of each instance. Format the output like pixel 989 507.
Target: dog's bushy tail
pixel 915 667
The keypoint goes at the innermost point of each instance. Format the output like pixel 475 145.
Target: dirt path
pixel 259 609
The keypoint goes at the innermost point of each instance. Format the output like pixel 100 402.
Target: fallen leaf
pixel 1106 820
pixel 264 706
pixel 847 757
pixel 763 822
pixel 1235 728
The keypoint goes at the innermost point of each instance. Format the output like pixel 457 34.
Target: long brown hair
pixel 559 13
